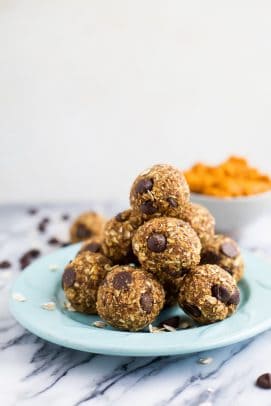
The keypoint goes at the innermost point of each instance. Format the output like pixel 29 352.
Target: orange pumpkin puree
pixel 232 178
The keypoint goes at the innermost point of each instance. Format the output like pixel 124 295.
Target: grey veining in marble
pixel 34 372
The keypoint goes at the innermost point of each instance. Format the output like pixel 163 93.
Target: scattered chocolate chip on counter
pixel 65 217
pixel 28 257
pixel 54 241
pixel 32 211
pixel 264 381
pixel 5 264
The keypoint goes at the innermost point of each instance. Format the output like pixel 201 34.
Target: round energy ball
pixel 201 220
pixel 81 279
pixel 87 225
pixel 209 294
pixel 224 251
pixel 166 245
pixel 161 190
pixel 129 298
pixel 118 233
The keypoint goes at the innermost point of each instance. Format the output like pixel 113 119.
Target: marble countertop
pixel 35 372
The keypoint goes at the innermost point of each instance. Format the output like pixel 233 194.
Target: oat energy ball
pixel 160 190
pixel 118 233
pixel 81 279
pixel 87 225
pixel 166 245
pixel 209 294
pixel 224 251
pixel 201 220
pixel 129 298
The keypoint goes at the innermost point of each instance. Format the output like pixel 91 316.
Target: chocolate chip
pixel 264 381
pixel 172 202
pixel 146 302
pixel 65 217
pixel 32 211
pixel 221 293
pixel 143 186
pixel 209 257
pixel 122 216
pixel 68 277
pixel 147 207
pixel 92 247
pixel 82 232
pixel 5 264
pixel 28 257
pixel 122 279
pixel 235 298
pixel 54 241
pixel 157 242
pixel 229 249
pixel 172 322
pixel 43 224
pixel 191 309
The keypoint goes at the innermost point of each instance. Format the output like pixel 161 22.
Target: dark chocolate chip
pixel 92 247
pixel 146 302
pixel 43 224
pixel 172 322
pixel 143 186
pixel 122 216
pixel 235 298
pixel 54 241
pixel 157 242
pixel 122 279
pixel 5 264
pixel 68 277
pixel 221 293
pixel 147 207
pixel 172 202
pixel 191 309
pixel 229 249
pixel 28 257
pixel 65 217
pixel 209 257
pixel 82 232
pixel 264 381
pixel 32 211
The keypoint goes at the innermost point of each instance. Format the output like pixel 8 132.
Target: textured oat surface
pixel 81 280
pixel 129 298
pixel 160 190
pixel 201 220
pixel 88 224
pixel 208 294
pixel 180 249
pixel 224 251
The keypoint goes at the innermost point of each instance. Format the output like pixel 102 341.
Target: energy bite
pixel 159 191
pixel 224 251
pixel 209 294
pixel 167 245
pixel 81 279
pixel 201 220
pixel 118 233
pixel 87 225
pixel 129 298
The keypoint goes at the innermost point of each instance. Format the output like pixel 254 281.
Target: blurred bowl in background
pixel 234 214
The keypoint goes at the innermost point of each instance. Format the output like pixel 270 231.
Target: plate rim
pixel 152 342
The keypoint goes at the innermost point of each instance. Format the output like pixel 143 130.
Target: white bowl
pixel 234 214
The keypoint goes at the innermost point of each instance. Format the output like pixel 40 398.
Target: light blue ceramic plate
pixel 38 284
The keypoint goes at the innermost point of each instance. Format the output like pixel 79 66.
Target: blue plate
pixel 38 284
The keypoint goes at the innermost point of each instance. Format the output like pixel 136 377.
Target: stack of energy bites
pixel 161 251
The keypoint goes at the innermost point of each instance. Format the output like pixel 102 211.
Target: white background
pixel 91 92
